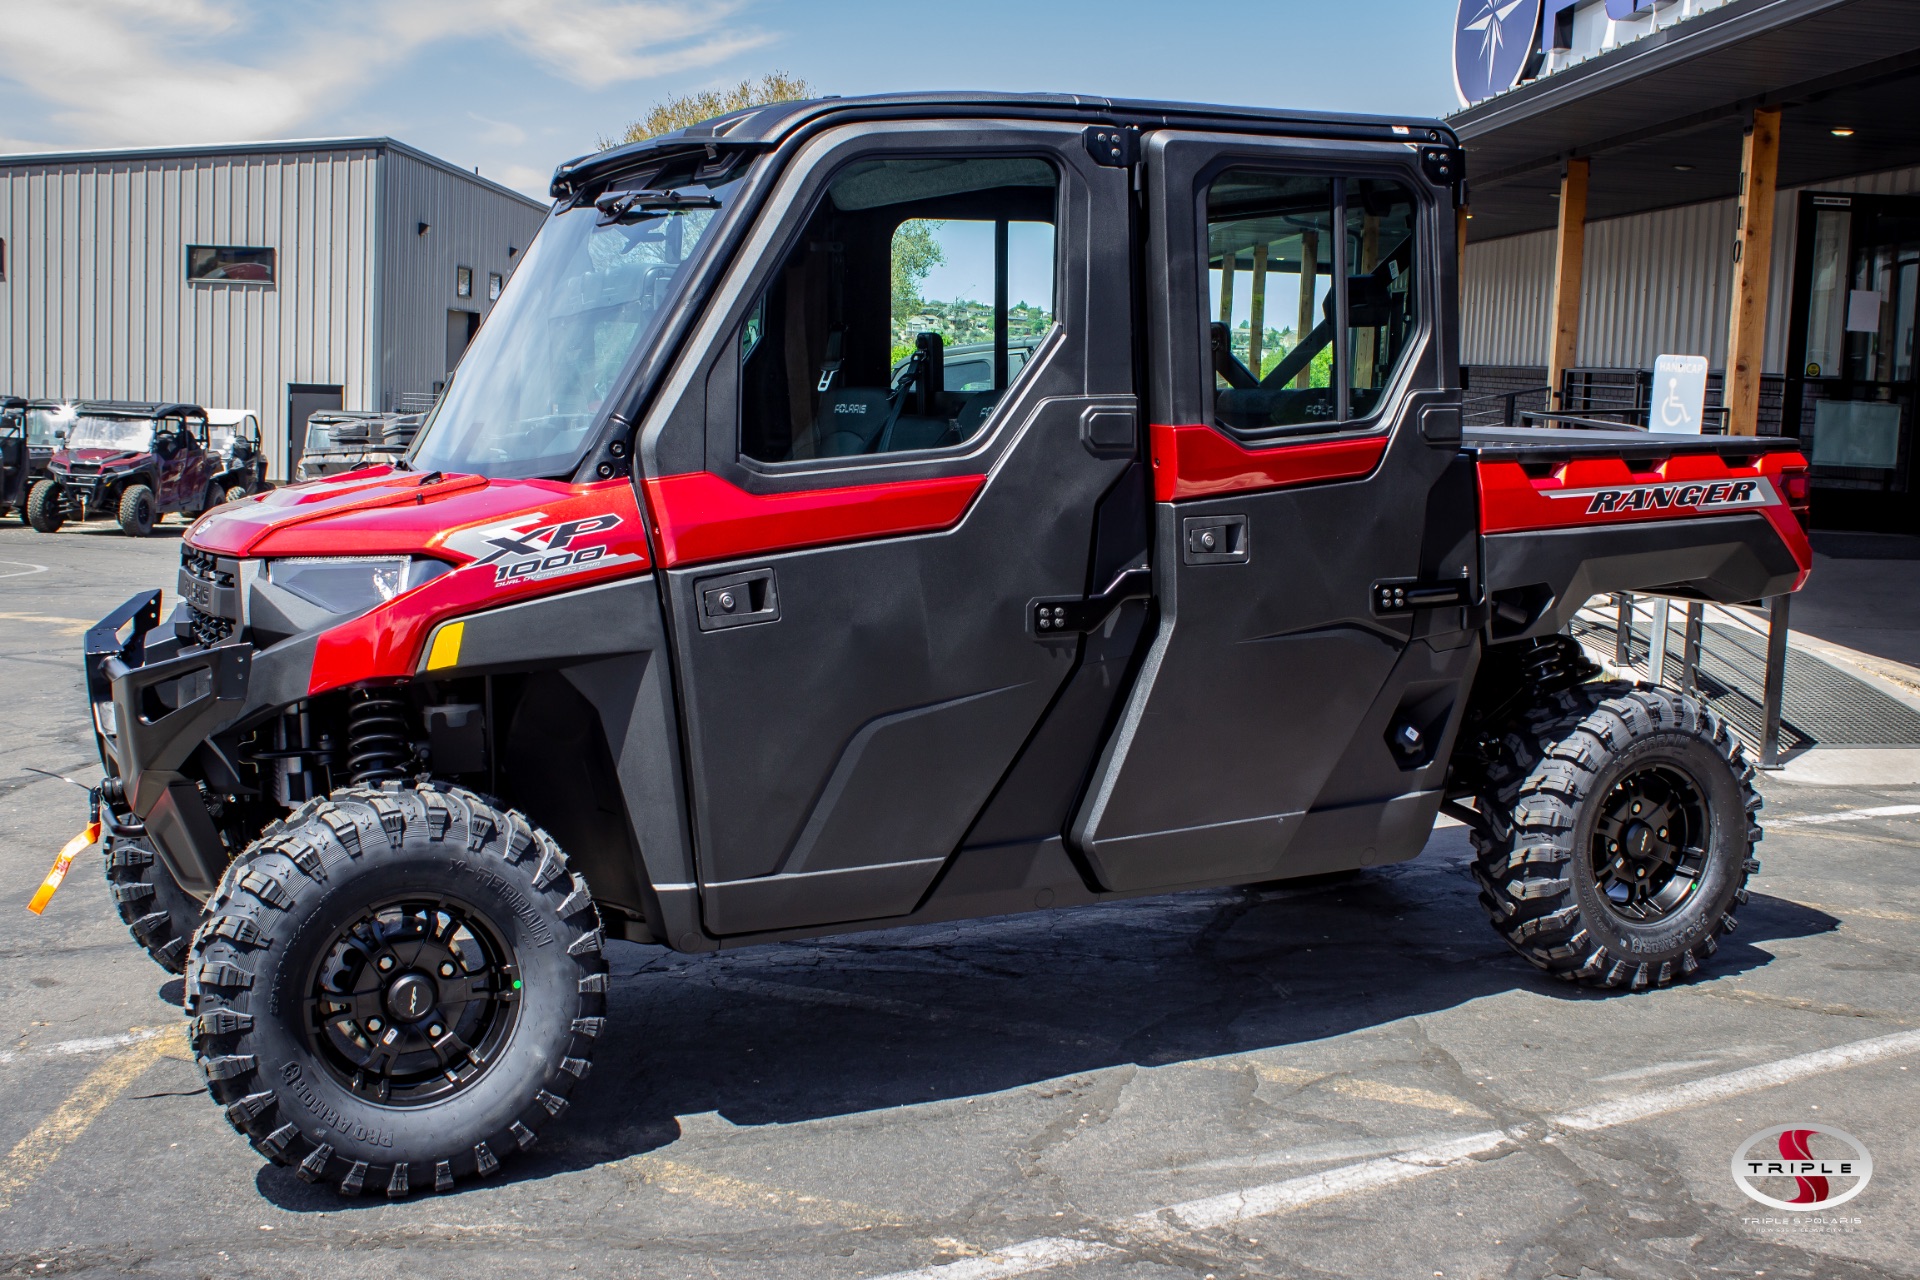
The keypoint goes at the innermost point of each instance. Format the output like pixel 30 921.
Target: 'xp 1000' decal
pixel 525 550
pixel 1701 497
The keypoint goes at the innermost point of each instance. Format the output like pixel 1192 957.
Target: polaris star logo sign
pixel 1699 498
pixel 1492 41
pixel 526 550
pixel 1823 1167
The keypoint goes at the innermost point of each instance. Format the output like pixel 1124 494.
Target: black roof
pixel 12 402
pixel 763 127
pixel 139 409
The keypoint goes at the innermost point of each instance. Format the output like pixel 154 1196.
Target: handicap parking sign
pixel 1679 394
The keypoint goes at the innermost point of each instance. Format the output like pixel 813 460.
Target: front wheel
pixel 156 910
pixel 237 493
pixel 137 511
pixel 44 510
pixel 396 988
pixel 1619 837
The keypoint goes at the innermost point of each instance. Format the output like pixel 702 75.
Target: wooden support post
pixel 1228 268
pixel 1569 257
pixel 1257 304
pixel 1752 265
pixel 1367 340
pixel 1309 283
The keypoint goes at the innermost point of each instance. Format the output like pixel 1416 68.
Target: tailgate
pixel 1565 515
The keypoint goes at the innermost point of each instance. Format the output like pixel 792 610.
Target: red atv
pixel 707 610
pixel 136 462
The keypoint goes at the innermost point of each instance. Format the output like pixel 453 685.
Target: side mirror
pixel 60 435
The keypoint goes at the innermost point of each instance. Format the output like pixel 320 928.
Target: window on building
pixel 463 282
pixel 229 264
pixel 915 294
pixel 494 283
pixel 1279 357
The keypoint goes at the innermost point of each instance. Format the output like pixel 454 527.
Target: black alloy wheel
pixel 1649 844
pixel 412 1001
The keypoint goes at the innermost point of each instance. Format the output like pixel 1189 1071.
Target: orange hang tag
pixel 58 872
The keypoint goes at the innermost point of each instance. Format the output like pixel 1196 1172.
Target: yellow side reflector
pixel 446 647
pixel 85 840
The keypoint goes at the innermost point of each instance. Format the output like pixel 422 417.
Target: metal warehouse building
pixel 1731 179
pixel 282 277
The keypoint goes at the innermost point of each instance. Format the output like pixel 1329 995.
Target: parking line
pixel 25 569
pixel 1047 1253
pixel 32 1155
pixel 675 1177
pixel 1844 815
pixel 90 1044
pixel 68 626
pixel 1372 1090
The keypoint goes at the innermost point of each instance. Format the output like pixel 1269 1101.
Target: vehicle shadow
pixel 806 1030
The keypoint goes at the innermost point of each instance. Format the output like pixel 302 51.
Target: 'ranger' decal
pixel 1700 497
pixel 520 553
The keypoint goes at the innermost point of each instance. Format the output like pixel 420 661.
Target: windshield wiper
pixel 632 206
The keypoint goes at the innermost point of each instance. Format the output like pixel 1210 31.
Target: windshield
pixel 134 435
pixel 584 301
pixel 42 423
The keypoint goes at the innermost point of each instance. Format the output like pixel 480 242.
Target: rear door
pixel 1293 713
pixel 855 555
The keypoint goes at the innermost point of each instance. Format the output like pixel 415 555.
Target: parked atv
pixel 135 462
pixel 339 441
pixel 691 621
pixel 239 463
pixel 14 462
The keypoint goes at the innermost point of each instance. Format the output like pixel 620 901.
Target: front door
pixel 858 545
pixel 1293 714
pixel 1852 379
pixel 303 401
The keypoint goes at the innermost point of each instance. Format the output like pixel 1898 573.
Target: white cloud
pixel 137 72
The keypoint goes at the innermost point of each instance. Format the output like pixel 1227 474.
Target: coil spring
pixel 1556 662
pixel 377 747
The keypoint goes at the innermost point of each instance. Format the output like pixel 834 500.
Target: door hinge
pixel 1404 595
pixel 1058 617
pixel 1112 146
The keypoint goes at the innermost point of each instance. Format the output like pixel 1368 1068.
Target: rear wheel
pixel 1619 835
pixel 138 511
pixel 44 511
pixel 397 988
pixel 156 910
pixel 214 496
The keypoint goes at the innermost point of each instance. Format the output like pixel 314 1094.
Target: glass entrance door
pixel 1851 373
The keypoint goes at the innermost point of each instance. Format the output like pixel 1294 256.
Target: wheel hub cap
pixel 411 997
pixel 1650 842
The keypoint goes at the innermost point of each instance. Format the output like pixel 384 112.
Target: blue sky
pixel 515 86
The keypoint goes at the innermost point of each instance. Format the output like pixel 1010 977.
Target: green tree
pixel 916 252
pixel 692 108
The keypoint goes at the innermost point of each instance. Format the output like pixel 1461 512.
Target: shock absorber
pixel 1556 662
pixel 377 746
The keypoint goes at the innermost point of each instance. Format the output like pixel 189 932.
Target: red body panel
pixel 700 516
pixel 1199 462
pixel 1590 492
pixel 508 540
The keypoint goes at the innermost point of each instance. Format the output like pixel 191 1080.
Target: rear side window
pixel 915 294
pixel 1288 350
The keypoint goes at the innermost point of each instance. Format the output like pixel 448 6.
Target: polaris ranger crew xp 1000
pixel 688 620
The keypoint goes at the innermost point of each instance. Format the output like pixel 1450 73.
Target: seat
pixel 850 421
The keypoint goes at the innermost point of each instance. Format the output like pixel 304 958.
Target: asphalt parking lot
pixel 1351 1079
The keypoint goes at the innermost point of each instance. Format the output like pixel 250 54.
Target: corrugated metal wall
pixel 1653 283
pixel 468 226
pixel 97 303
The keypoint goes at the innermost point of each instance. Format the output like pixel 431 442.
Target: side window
pixel 914 295
pixel 1280 358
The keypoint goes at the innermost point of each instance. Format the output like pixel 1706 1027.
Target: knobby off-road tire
pixel 237 493
pixel 44 511
pixel 442 887
pixel 1572 876
pixel 156 910
pixel 138 511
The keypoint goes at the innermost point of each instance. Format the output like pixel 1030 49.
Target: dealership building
pixel 1731 179
pixel 282 277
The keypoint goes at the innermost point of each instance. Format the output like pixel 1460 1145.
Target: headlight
pixel 351 584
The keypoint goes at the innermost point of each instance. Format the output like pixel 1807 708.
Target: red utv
pixel 707 610
pixel 135 462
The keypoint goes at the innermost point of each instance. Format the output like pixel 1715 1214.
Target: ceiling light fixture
pixel 1842 132
pixel 1684 168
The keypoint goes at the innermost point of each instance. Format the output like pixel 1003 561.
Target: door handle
pixel 736 599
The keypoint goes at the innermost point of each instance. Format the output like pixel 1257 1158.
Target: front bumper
pixel 155 701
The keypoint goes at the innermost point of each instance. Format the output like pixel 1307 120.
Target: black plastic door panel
pixel 850 707
pixel 1256 742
